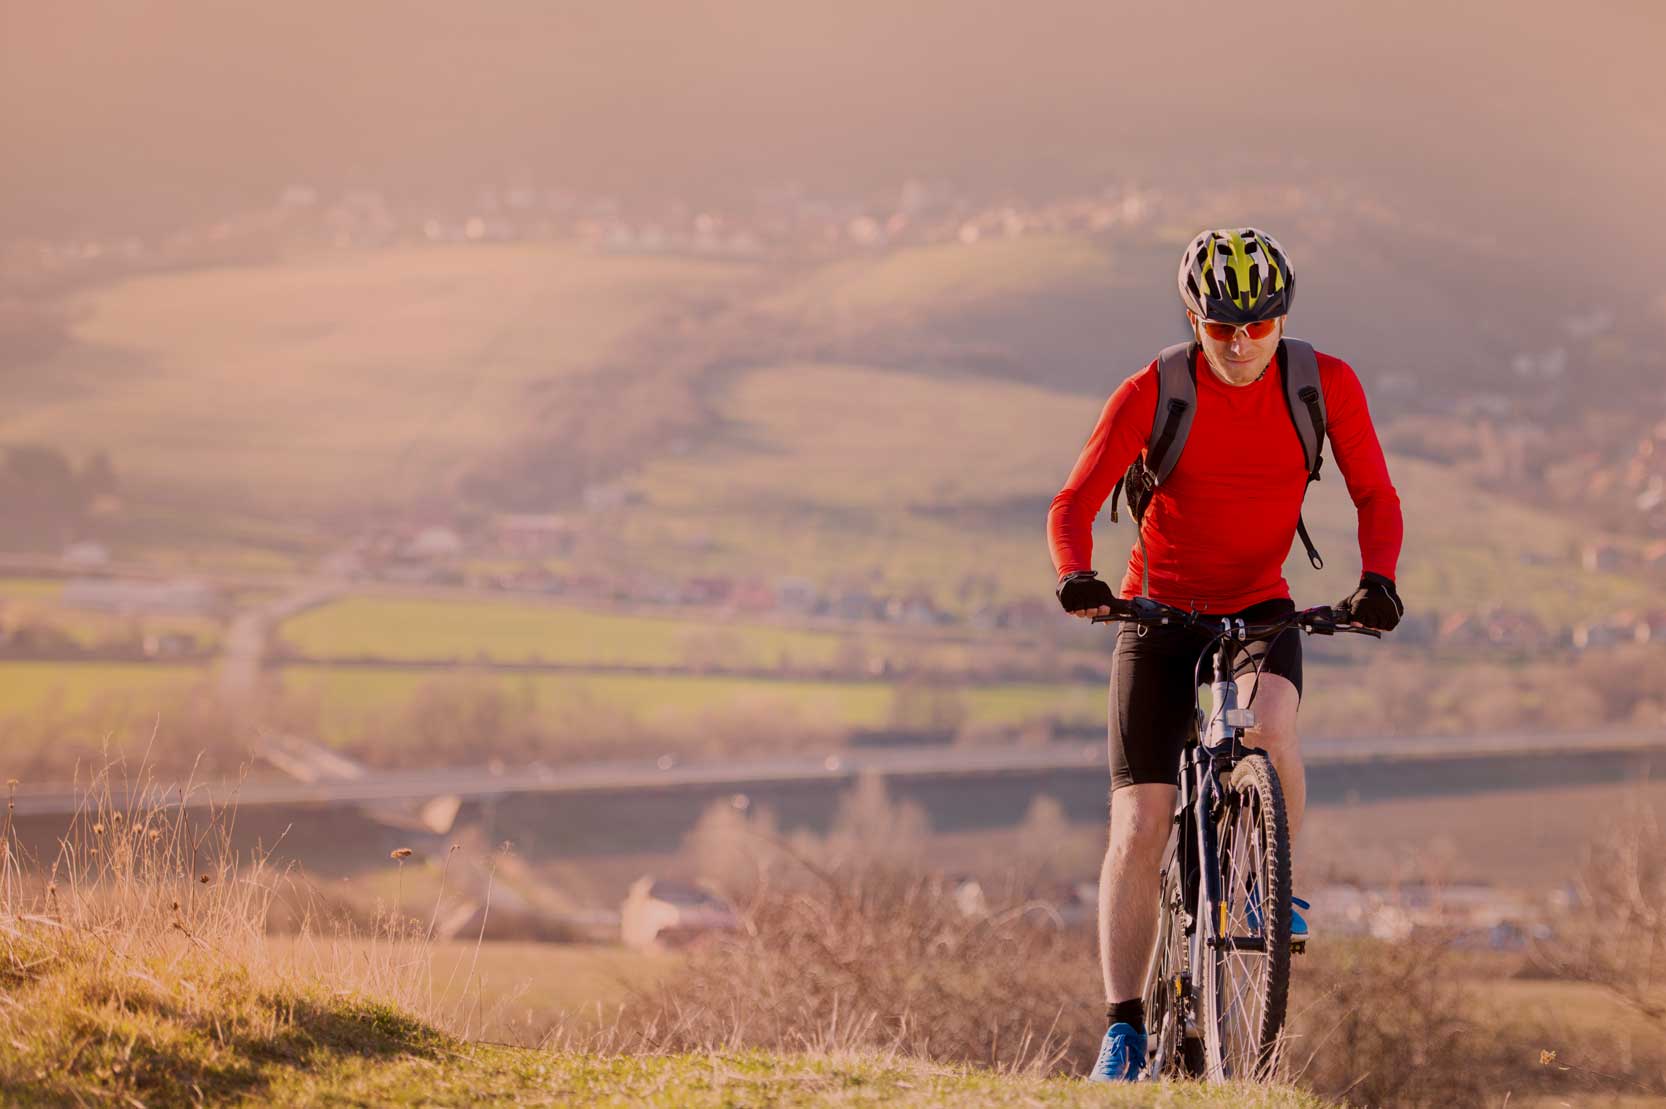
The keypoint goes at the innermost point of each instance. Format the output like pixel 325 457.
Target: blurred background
pixel 597 428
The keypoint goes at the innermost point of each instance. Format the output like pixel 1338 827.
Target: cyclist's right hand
pixel 1083 594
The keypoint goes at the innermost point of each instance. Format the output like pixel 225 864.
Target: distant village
pixel 786 221
pixel 512 554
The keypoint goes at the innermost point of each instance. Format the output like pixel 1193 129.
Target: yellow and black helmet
pixel 1236 275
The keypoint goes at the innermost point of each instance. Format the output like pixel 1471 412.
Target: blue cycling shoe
pixel 1298 924
pixel 1299 933
pixel 1121 1056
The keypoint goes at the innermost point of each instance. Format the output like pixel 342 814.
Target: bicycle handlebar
pixel 1315 621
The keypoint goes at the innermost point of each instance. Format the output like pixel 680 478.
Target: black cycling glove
pixel 1375 604
pixel 1083 590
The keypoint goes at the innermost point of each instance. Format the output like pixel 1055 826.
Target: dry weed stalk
pixel 146 886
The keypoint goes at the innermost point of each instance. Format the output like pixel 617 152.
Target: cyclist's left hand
pixel 1375 604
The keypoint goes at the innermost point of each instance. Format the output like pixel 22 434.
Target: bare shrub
pixel 1384 1024
pixel 734 848
pixel 1617 938
pixel 849 942
pixel 876 955
pixel 869 826
pixel 1051 849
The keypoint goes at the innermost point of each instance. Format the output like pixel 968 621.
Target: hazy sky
pixel 129 113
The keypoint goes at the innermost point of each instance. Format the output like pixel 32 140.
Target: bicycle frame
pixel 1217 747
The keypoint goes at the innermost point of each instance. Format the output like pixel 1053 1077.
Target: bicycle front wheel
pixel 1246 980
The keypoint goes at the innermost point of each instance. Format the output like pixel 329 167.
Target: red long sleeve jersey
pixel 1218 530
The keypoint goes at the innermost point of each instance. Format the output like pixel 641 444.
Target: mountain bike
pixel 1219 977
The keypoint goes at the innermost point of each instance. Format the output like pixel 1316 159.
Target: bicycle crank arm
pixel 1240 943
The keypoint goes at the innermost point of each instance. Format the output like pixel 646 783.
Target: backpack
pixel 1172 421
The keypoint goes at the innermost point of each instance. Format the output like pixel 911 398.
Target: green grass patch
pixel 31 687
pixel 483 1074
pixel 31 589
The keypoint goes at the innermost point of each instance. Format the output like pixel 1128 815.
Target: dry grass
pixel 136 966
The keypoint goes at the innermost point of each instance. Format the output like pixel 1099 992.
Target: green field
pixel 340 379
pixel 28 688
pixel 512 631
pixel 31 589
pixel 351 697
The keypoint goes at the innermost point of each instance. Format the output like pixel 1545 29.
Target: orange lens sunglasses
pixel 1223 332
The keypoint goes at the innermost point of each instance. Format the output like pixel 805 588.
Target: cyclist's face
pixel 1238 359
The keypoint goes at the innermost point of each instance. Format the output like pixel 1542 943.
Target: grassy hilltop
pixel 139 968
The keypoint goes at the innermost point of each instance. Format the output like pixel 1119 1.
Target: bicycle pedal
pixel 1298 947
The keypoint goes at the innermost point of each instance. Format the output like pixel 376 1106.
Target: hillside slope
pixel 921 481
pixel 332 382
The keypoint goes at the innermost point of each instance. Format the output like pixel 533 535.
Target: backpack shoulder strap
pixel 1306 400
pixel 1176 406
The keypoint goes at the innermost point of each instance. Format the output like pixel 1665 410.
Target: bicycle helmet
pixel 1236 275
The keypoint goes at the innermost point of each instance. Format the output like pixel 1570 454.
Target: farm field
pixel 518 630
pixel 44 590
pixel 511 631
pixel 352 697
pixel 138 687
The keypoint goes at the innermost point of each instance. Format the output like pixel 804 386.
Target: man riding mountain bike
pixel 1213 535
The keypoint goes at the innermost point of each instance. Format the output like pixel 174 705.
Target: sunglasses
pixel 1223 332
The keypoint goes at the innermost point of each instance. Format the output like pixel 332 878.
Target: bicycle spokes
pixel 1244 942
pixel 1247 981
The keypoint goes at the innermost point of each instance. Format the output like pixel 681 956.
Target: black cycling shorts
pixel 1153 698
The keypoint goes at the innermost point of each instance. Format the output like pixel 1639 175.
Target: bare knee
pixel 1277 741
pixel 1141 819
